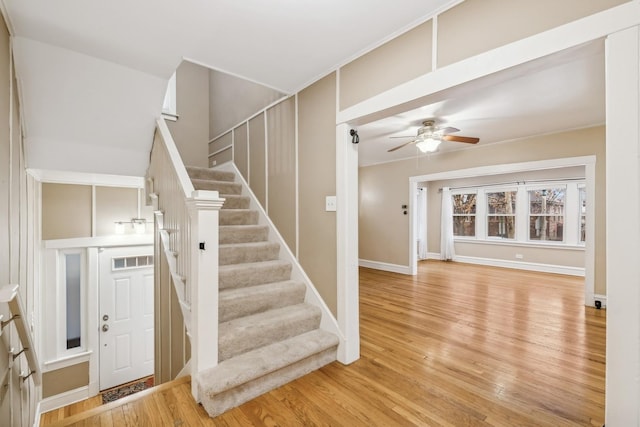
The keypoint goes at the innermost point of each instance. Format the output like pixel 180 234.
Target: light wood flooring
pixel 457 345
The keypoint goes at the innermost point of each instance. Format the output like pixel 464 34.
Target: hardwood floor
pixel 457 345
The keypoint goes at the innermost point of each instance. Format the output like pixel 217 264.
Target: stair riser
pixel 234 341
pixel 221 187
pixel 233 201
pixel 260 301
pixel 241 255
pixel 255 276
pixel 221 402
pixel 213 175
pixel 238 217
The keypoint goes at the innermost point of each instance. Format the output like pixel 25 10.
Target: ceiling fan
pixel 430 136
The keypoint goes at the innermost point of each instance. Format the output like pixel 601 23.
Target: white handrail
pixel 9 294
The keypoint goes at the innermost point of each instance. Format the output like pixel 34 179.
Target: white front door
pixel 126 315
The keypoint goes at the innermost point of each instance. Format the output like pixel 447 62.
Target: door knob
pixel 105 327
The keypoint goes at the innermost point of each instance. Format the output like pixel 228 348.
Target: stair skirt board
pixel 267 335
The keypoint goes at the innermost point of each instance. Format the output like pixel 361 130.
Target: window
pixel 464 215
pixel 582 195
pixel 71 335
pixel 501 214
pixel 546 214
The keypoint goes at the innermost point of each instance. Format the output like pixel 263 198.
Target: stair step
pixel 240 302
pixel 242 253
pixel 233 201
pixel 222 187
pixel 248 333
pixel 245 377
pixel 243 233
pixel 238 217
pixel 196 172
pixel 251 274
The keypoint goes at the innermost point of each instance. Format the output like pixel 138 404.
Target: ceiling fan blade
pixel 455 138
pixel 401 145
pixel 447 130
pixel 405 136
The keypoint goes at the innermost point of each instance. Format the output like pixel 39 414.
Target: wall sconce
pixel 138 224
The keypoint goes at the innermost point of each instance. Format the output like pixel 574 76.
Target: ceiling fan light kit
pixel 429 137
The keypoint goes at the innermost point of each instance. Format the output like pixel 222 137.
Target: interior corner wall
pixel 191 130
pixel 233 100
pixel 384 230
pixel 17 242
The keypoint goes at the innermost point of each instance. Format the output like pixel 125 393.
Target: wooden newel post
pixel 204 207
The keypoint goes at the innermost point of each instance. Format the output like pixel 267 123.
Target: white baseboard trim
pixel 519 265
pixel 601 298
pixel 393 268
pixel 63 399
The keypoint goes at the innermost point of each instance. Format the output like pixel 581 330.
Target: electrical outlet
pixel 330 204
pixel 519 256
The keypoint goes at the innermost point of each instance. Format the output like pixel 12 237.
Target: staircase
pixel 268 335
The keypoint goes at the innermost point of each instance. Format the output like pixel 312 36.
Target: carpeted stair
pixel 268 335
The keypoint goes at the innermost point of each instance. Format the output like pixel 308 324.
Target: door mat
pixel 126 390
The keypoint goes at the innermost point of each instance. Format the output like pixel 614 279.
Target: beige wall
pixel 115 204
pixel 65 379
pixel 241 150
pixel 317 179
pixel 191 130
pixel 384 230
pixel 257 153
pixel 221 150
pixel 282 169
pixel 234 100
pixel 67 210
pixel 476 26
pixel 397 61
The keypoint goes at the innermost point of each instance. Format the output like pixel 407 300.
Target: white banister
pixel 187 231
pixel 9 294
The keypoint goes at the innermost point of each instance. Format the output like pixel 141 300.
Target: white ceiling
pixel 561 92
pixel 92 74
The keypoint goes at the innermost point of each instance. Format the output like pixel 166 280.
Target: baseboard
pixel 63 399
pixel 519 265
pixel 602 299
pixel 393 268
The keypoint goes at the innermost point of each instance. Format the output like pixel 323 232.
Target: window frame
pixel 547 186
pixel 493 189
pixel 474 215
pixel 60 311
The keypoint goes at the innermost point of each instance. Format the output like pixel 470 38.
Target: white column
pixel 347 251
pixel 204 210
pixel 623 231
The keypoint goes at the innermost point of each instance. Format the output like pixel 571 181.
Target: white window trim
pixel 571 234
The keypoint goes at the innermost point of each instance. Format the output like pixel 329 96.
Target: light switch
pixel 330 204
